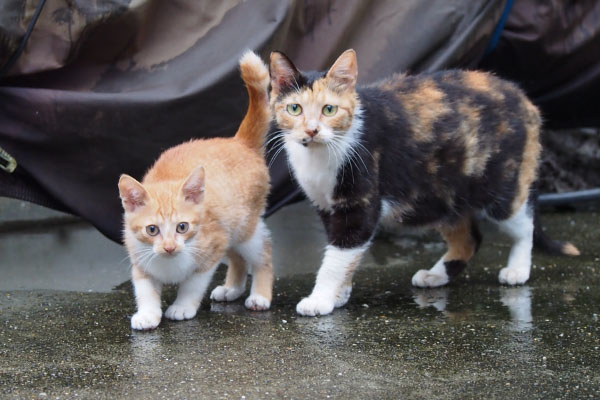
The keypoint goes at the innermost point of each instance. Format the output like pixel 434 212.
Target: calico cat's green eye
pixel 294 109
pixel 329 110
pixel 183 227
pixel 152 230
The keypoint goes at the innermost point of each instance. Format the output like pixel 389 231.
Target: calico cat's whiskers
pixel 352 153
pixel 338 154
pixel 278 147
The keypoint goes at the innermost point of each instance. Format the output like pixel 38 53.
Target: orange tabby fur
pixel 219 187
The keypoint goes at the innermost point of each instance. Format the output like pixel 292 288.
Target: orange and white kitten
pixel 201 201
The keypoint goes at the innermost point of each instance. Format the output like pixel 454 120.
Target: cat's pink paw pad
pixel 180 312
pixel 425 278
pixel 256 302
pixel 145 320
pixel 224 293
pixel 513 276
pixel 312 306
pixel 343 296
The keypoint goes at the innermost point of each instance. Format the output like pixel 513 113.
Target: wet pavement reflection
pixel 471 339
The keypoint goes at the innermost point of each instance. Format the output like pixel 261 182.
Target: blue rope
pixel 499 28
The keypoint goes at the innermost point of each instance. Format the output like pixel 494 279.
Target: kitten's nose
pixel 169 249
pixel 312 132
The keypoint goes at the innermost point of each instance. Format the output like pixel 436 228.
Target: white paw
pixel 180 312
pixel 513 276
pixel 425 278
pixel 145 320
pixel 224 293
pixel 343 296
pixel 313 305
pixel 256 302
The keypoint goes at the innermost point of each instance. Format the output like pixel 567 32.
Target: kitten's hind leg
pixel 258 254
pixel 519 228
pixel 235 280
pixel 463 241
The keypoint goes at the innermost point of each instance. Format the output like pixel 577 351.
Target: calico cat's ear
pixel 193 188
pixel 283 72
pixel 344 72
pixel 133 194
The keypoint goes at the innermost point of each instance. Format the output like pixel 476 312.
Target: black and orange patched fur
pixel 433 150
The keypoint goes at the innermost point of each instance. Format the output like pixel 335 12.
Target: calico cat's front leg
pixel 147 299
pixel 333 279
pixel 349 232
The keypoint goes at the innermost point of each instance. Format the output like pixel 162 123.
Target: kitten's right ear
pixel 283 72
pixel 133 194
pixel 193 187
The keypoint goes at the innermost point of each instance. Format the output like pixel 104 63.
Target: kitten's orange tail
pixel 255 125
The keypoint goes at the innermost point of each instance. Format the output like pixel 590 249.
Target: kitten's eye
pixel 152 230
pixel 294 109
pixel 329 110
pixel 183 227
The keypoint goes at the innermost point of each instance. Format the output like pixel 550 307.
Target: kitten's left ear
pixel 193 188
pixel 344 72
pixel 133 194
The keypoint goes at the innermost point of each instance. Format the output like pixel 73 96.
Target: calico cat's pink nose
pixel 312 132
pixel 169 249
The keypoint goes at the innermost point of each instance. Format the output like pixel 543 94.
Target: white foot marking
pixel 145 320
pixel 180 312
pixel 256 302
pixel 224 293
pixel 425 278
pixel 343 296
pixel 520 228
pixel 314 305
pixel 513 276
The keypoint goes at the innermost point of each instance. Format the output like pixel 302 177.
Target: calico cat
pixel 432 150
pixel 201 201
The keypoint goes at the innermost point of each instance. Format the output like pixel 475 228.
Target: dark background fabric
pixel 104 87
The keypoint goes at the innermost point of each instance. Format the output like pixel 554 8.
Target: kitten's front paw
pixel 513 276
pixel 425 278
pixel 180 312
pixel 312 306
pixel 224 293
pixel 256 302
pixel 145 320
pixel 343 296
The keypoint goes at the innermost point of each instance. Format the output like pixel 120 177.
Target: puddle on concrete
pixel 471 339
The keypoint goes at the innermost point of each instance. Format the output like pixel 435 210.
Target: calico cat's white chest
pixel 315 170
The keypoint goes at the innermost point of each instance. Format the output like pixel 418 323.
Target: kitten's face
pixel 313 112
pixel 162 219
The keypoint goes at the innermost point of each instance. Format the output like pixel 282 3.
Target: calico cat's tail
pixel 255 125
pixel 545 243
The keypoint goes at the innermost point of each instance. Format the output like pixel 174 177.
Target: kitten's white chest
pixel 172 269
pixel 315 171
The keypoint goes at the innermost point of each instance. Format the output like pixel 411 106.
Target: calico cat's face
pixel 162 219
pixel 311 108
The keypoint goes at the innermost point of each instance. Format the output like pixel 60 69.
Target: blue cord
pixel 499 28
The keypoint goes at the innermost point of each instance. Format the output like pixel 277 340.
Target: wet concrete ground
pixel 64 333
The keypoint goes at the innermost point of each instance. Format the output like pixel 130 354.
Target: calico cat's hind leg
pixel 519 227
pixel 257 252
pixel 235 280
pixel 463 241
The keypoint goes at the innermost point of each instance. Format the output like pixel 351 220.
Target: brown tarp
pixel 103 87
